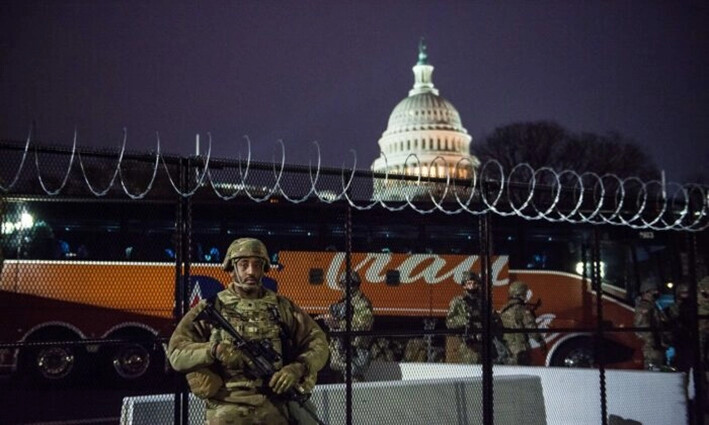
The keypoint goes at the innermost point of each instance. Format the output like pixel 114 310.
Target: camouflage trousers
pixel 361 358
pixel 521 358
pixel 224 413
pixel 469 353
pixel 653 358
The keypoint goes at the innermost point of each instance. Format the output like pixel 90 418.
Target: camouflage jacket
pixel 465 311
pixel 703 310
pixel 362 317
pixel 190 346
pixel 648 315
pixel 516 315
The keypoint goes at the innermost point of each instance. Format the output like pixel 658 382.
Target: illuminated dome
pixel 428 126
pixel 424 111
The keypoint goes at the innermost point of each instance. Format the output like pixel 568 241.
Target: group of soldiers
pixel 669 342
pixel 255 356
pixel 466 312
pixel 513 328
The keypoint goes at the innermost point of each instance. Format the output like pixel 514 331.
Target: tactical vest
pixel 256 320
pixel 474 311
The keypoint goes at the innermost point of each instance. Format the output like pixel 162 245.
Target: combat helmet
pixel 704 284
pixel 470 275
pixel 682 291
pixel 518 289
pixel 354 278
pixel 650 283
pixel 246 247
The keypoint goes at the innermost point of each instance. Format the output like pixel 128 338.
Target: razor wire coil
pixel 525 192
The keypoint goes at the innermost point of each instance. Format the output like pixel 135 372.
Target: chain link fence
pixel 104 251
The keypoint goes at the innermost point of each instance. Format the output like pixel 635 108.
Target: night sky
pixel 332 71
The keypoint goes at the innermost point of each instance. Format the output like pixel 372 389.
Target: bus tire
pixel 577 352
pixel 130 361
pixel 54 364
pixel 133 362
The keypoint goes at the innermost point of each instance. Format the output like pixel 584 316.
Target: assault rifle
pixel 261 355
pixel 533 307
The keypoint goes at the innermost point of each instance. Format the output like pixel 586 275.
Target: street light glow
pixel 26 221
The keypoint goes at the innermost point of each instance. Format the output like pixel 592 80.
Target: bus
pixel 91 288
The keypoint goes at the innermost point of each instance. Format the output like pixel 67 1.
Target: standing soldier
pixel 362 320
pixel 679 316
pixel 516 315
pixel 703 313
pixel 465 312
pixel 221 373
pixel 649 315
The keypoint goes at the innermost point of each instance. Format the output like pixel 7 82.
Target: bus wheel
pixel 54 365
pixel 574 353
pixel 131 361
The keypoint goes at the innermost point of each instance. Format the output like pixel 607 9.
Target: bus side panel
pixel 563 297
pixel 426 282
pixel 140 288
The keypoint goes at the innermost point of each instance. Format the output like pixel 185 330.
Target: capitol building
pixel 424 144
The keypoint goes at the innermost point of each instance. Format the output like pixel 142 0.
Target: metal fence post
pixel 486 269
pixel 599 345
pixel 348 314
pixel 698 371
pixel 182 262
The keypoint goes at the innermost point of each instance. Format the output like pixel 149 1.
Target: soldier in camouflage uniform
pixel 516 315
pixel 649 315
pixel 220 373
pixel 703 313
pixel 465 312
pixel 362 320
pixel 682 332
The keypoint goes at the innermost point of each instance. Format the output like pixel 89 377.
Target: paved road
pixel 22 405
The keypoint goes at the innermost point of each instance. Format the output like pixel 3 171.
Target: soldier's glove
pixel 228 355
pixel 284 379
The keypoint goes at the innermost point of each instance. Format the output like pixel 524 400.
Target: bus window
pixel 617 268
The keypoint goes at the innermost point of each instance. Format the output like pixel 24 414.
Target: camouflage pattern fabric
pixel 655 341
pixel 362 320
pixel 232 395
pixel 679 317
pixel 416 350
pixel 516 315
pixel 225 413
pixel 465 312
pixel 703 312
pixel 382 350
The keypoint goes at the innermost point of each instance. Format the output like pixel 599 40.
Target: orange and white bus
pixel 93 286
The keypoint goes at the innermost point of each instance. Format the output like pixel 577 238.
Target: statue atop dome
pixel 423 71
pixel 423 56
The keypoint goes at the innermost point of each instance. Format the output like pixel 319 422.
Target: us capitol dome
pixel 424 137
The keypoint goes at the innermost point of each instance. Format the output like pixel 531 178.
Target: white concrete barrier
pixel 412 391
pixel 158 409
pixel 573 396
pixel 450 401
